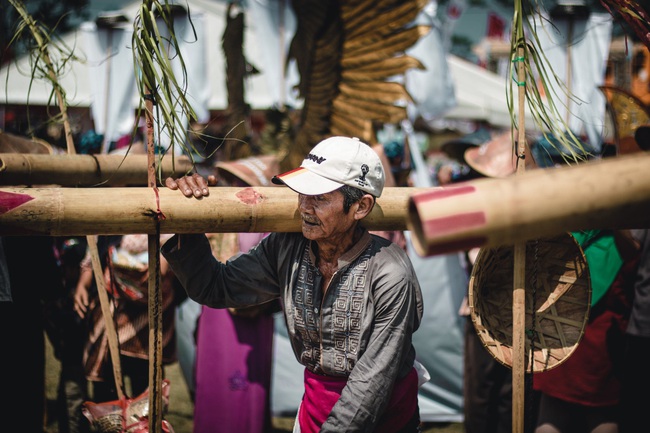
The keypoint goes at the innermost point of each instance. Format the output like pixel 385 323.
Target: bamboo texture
pixel 83 211
pixel 605 194
pixel 84 170
pixel 601 194
pixel 519 271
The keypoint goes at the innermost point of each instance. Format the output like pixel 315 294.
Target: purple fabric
pixel 234 357
pixel 249 240
pixel 233 373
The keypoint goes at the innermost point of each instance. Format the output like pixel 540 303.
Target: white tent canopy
pixel 262 90
pixel 479 93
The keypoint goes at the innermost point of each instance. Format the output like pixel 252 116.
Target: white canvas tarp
pixel 262 90
pixel 578 51
pixel 479 93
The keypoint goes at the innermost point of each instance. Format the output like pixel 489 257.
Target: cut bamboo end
pixel 602 194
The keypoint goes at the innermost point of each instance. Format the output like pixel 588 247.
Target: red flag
pixel 496 26
pixel 454 10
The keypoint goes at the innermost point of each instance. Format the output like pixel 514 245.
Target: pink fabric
pixel 233 373
pixel 234 358
pixel 123 141
pixel 249 240
pixel 322 393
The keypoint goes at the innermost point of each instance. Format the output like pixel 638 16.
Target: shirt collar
pixel 350 255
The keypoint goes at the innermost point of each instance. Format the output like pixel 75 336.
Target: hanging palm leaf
pixel 633 14
pixel 157 82
pixel 528 57
pixel 50 58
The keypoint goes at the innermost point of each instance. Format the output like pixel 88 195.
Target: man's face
pixel 323 217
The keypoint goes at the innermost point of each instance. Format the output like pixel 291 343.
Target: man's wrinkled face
pixel 322 216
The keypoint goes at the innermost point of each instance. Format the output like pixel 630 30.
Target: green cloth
pixel 603 259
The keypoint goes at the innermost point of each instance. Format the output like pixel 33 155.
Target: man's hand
pixel 192 185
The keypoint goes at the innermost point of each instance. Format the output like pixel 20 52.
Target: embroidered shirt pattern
pixel 349 290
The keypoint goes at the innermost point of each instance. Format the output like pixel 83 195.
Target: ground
pixel 181 407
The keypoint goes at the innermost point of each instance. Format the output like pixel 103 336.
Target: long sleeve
pixel 243 281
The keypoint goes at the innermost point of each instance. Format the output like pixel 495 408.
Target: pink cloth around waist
pixel 322 393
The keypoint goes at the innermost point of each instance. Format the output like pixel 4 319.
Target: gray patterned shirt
pixel 360 329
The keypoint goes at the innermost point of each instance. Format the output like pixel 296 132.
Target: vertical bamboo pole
pixel 155 296
pixel 111 333
pixel 519 276
pixel 107 88
pixel 569 46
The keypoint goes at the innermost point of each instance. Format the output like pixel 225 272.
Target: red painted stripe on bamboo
pixel 437 227
pixel 446 192
pixel 10 201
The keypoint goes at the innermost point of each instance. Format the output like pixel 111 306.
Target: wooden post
pixel 105 303
pixel 519 271
pixel 155 293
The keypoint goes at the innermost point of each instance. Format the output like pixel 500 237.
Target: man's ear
pixel 364 207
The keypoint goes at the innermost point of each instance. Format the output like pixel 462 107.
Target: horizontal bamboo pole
pixel 84 170
pixel 603 194
pixel 95 211
pixel 612 193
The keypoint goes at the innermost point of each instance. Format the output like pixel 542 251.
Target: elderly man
pixel 351 299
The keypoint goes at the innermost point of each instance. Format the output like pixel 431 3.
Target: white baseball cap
pixel 334 162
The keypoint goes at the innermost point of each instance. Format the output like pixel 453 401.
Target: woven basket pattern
pixel 557 284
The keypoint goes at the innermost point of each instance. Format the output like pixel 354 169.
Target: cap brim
pixel 305 182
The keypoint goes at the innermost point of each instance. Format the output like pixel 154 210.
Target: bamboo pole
pixel 84 170
pixel 155 294
pixel 519 269
pixel 92 241
pixel 605 194
pixel 105 303
pixel 79 211
pixel 612 194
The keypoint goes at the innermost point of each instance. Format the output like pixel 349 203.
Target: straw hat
pixel 557 284
pixel 496 157
pixel 456 147
pixel 254 170
pixel 10 143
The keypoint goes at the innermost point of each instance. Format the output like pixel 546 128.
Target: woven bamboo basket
pixel 557 285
